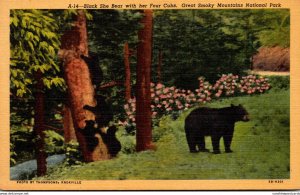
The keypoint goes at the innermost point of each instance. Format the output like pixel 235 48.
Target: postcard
pixel 150 95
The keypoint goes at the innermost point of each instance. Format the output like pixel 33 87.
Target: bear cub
pixel 103 115
pixel 102 111
pixel 95 70
pixel 215 122
pixel 109 137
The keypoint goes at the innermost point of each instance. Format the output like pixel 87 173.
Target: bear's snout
pixel 246 118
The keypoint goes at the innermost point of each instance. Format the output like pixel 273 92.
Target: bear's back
pixel 208 119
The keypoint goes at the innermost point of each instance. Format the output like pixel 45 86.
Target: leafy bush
pixel 54 142
pixel 21 144
pixel 13 155
pixel 73 154
pixel 253 84
pixel 128 143
pixel 279 82
pixel 162 128
pixel 230 85
pixel 226 85
pixel 172 101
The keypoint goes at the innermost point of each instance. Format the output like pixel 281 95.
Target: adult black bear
pixel 213 122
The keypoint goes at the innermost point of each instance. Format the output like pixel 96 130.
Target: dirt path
pixel 275 73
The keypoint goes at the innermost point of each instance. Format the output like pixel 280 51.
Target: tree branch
pixel 110 84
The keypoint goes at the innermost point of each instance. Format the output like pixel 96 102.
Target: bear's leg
pixel 227 143
pixel 191 140
pixel 192 146
pixel 201 144
pixel 216 144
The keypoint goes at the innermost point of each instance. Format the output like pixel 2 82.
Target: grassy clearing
pixel 261 149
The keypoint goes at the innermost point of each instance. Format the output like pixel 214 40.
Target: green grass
pixel 261 149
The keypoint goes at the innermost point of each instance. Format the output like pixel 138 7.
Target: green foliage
pixel 21 141
pixel 12 154
pixel 73 154
pixel 261 149
pixel 279 82
pixel 54 142
pixel 162 128
pixel 34 42
pixel 199 43
pixel 108 31
pixel 210 43
pixel 274 27
pixel 128 142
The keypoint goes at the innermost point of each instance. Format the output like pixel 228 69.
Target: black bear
pixel 102 111
pixel 213 122
pixel 103 115
pixel 109 137
pixel 112 143
pixel 89 133
pixel 95 70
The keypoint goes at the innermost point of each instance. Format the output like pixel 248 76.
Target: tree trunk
pixel 143 97
pixel 80 89
pixel 39 121
pixel 127 73
pixel 159 66
pixel 69 131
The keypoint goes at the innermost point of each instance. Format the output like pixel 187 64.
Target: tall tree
pixel 34 43
pixel 69 131
pixel 108 31
pixel 80 90
pixel 143 96
pixel 39 125
pixel 127 72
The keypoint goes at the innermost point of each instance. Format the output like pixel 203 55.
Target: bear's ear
pixel 231 105
pixel 240 105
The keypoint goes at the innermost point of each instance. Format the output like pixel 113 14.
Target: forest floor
pixel 261 149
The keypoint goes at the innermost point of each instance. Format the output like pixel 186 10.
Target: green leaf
pixel 23 23
pixel 47 83
pixel 28 81
pixel 51 51
pixel 15 21
pixel 31 45
pixel 16 83
pixel 21 92
pixel 13 72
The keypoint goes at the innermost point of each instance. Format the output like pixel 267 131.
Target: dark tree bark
pixel 127 72
pixel 80 89
pixel 143 97
pixel 39 125
pixel 159 66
